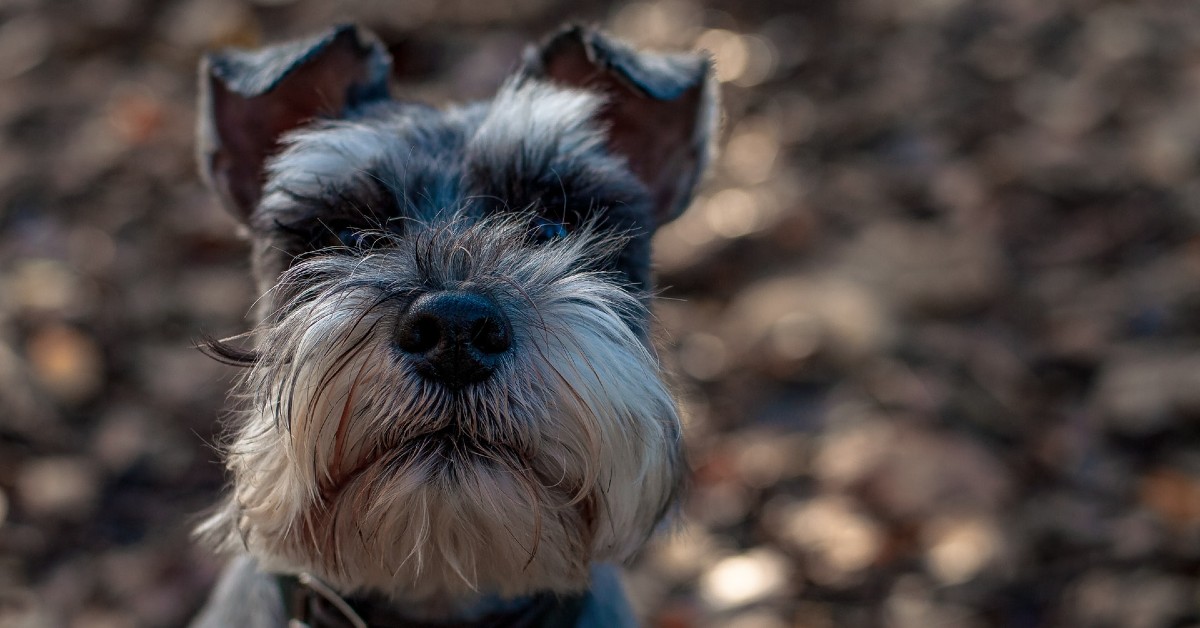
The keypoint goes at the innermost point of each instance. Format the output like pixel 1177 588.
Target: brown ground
pixel 935 319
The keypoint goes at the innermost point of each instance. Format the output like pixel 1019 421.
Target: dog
pixel 451 409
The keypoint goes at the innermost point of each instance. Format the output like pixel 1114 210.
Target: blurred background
pixel 935 318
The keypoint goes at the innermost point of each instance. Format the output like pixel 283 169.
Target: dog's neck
pixel 312 603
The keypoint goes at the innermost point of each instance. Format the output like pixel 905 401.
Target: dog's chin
pixel 352 467
pixel 438 522
pixel 441 520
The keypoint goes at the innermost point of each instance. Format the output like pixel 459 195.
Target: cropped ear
pixel 660 113
pixel 249 99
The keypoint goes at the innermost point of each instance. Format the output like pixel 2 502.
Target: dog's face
pixel 452 391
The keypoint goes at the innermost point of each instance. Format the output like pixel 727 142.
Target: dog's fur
pixel 349 463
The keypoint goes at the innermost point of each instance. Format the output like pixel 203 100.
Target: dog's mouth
pixel 444 452
pixel 450 445
pixel 443 438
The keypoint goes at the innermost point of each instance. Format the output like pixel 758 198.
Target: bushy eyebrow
pixel 300 219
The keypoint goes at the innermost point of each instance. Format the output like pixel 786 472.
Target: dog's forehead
pixel 538 119
pixel 435 158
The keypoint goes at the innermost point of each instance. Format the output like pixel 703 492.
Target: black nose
pixel 456 338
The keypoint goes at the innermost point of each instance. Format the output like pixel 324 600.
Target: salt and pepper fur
pixel 341 463
pixel 344 461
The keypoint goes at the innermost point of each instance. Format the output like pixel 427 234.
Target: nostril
pixel 419 334
pixel 490 336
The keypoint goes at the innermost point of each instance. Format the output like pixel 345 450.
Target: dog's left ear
pixel 661 109
pixel 249 99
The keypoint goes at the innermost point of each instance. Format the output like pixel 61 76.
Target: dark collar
pixel 313 604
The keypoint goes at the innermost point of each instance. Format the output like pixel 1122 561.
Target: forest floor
pixel 934 319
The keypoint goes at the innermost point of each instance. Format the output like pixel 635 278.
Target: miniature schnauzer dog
pixel 452 411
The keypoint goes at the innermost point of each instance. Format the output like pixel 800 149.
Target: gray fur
pixel 244 597
pixel 395 164
pixel 350 465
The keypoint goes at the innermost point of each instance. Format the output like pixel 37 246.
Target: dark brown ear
pixel 248 99
pixel 661 109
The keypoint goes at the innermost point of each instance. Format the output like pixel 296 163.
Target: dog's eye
pixel 334 237
pixel 355 239
pixel 545 230
pixel 351 238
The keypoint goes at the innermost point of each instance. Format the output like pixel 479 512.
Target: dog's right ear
pixel 249 99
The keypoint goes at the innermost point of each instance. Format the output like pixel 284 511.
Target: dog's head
pixel 452 389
